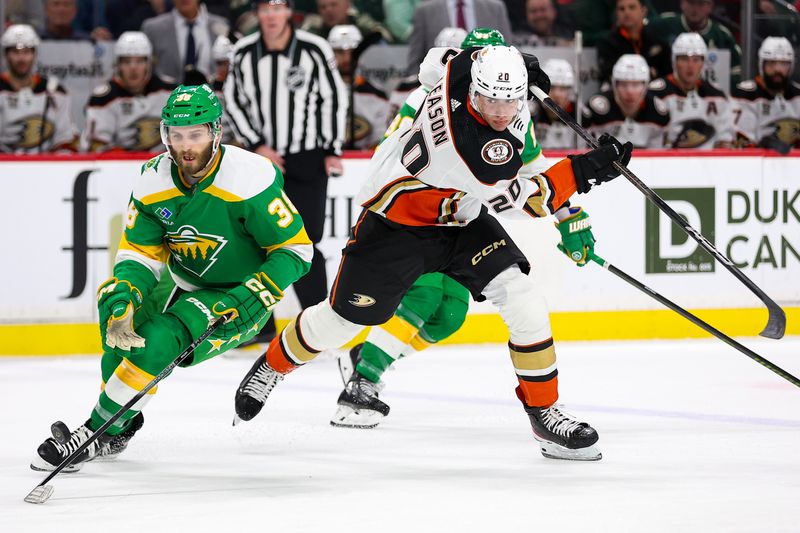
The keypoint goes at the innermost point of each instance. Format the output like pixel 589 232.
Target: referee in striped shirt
pixel 286 101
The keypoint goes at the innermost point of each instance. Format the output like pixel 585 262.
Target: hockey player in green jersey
pixel 436 305
pixel 216 220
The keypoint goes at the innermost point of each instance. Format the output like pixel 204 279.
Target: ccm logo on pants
pixel 486 251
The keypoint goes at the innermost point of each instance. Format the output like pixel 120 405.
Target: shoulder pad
pixel 102 90
pixel 658 84
pixel 599 104
pixel 747 85
pixel 432 67
pixel 242 175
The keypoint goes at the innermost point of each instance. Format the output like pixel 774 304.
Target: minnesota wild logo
pixel 195 251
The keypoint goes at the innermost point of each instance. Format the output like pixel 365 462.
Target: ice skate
pixel 348 362
pixel 560 436
pixel 62 444
pixel 118 443
pixel 254 389
pixel 359 406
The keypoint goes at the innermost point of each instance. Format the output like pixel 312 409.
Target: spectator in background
pixel 59 16
pixel 25 12
pixel 767 109
pixel 596 18
pixel 543 27
pixel 632 35
pixel 222 52
pixel 91 18
pixel 628 111
pixel 433 15
pixel 368 106
pixel 551 132
pixel 332 13
pixel 125 112
pixel 35 114
pixel 182 39
pixel 695 17
pixel 399 14
pixel 128 15
pixel 700 113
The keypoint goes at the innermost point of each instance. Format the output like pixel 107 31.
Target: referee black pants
pixel 306 184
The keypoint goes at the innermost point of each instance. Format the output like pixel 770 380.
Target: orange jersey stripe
pixel 420 207
pixel 562 181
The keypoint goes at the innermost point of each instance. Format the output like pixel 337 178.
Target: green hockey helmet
pixel 483 37
pixel 192 106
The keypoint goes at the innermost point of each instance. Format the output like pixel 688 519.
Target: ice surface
pixel 695 437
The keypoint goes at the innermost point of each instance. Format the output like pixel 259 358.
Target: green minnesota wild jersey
pixel 235 221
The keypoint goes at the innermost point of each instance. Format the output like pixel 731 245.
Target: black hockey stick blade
pixel 694 319
pixel 42 492
pixel 776 323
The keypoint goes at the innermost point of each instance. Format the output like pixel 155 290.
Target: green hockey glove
pixel 576 236
pixel 117 301
pixel 251 303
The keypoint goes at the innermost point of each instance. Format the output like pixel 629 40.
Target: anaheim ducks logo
pixel 195 251
pixel 361 128
pixel 147 133
pixel 787 130
pixel 694 133
pixel 497 151
pixel 30 132
pixel 361 300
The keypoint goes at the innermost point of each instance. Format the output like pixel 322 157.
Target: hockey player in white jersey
pixel 124 113
pixel 222 53
pixel 551 132
pixel 629 111
pixel 700 113
pixel 368 110
pixel 767 108
pixel 35 112
pixel 426 210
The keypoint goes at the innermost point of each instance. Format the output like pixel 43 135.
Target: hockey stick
pixel 52 86
pixel 42 492
pixel 776 324
pixel 694 319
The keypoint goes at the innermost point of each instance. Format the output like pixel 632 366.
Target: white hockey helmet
pixel 630 67
pixel 344 37
pixel 19 36
pixel 133 44
pixel 222 50
pixel 450 38
pixel 775 49
pixel 560 72
pixel 688 44
pixel 499 72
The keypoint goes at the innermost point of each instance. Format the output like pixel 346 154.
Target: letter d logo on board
pixel 668 248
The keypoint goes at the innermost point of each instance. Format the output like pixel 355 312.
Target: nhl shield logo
pixel 295 77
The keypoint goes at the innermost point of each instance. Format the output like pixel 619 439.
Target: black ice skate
pixel 116 444
pixel 62 444
pixel 359 406
pixel 348 362
pixel 254 389
pixel 562 437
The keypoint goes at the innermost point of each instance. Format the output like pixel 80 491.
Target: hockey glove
pixel 117 301
pixel 596 166
pixel 536 76
pixel 577 240
pixel 251 303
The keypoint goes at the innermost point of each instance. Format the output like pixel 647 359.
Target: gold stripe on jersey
pixel 301 237
pixel 385 196
pixel 161 196
pixel 213 190
pixel 537 203
pixel 151 252
pixel 447 211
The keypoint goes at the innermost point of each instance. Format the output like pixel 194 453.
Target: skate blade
pixel 40 465
pixel 236 420
pixel 552 450
pixel 40 494
pixel 347 417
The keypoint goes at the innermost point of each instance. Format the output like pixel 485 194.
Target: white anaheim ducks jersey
pixel 759 114
pixel 118 119
pixel 445 166
pixel 23 128
pixel 645 130
pixel 551 133
pixel 700 118
pixel 371 116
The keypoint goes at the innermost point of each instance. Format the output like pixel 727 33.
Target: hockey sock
pixel 535 366
pixel 126 381
pixel 384 345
